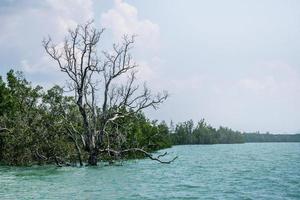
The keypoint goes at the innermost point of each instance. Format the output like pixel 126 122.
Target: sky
pixel 234 63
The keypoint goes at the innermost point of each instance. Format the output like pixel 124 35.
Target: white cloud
pixel 124 19
pixel 272 77
pixel 24 27
pixel 71 12
pixel 43 65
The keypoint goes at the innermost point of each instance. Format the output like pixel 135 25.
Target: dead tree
pixel 90 79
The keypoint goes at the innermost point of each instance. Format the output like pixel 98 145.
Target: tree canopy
pixel 39 127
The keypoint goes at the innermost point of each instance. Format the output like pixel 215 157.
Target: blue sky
pixel 234 63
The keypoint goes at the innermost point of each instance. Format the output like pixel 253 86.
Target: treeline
pixel 36 128
pixel 266 137
pixel 202 133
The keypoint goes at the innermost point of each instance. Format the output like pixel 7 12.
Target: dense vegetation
pixel 202 133
pixel 35 126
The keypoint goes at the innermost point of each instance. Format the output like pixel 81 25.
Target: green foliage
pixel 151 135
pixel 137 132
pixel 202 133
pixel 36 126
pixel 4 98
pixel 34 131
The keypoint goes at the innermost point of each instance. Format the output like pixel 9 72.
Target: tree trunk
pixel 93 158
pixel 79 156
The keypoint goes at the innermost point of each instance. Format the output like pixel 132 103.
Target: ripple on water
pixel 244 171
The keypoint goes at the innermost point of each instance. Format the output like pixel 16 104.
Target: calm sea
pixel 231 171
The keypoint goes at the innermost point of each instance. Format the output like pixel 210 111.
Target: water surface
pixel 237 171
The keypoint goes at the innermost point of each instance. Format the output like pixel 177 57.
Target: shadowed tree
pixel 105 90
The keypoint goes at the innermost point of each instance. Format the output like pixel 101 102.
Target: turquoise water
pixel 238 171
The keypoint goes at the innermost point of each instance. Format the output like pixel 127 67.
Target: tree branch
pixel 147 154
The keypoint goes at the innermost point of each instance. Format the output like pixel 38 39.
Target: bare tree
pixel 90 78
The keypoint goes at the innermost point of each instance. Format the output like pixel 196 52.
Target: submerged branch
pixel 147 154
